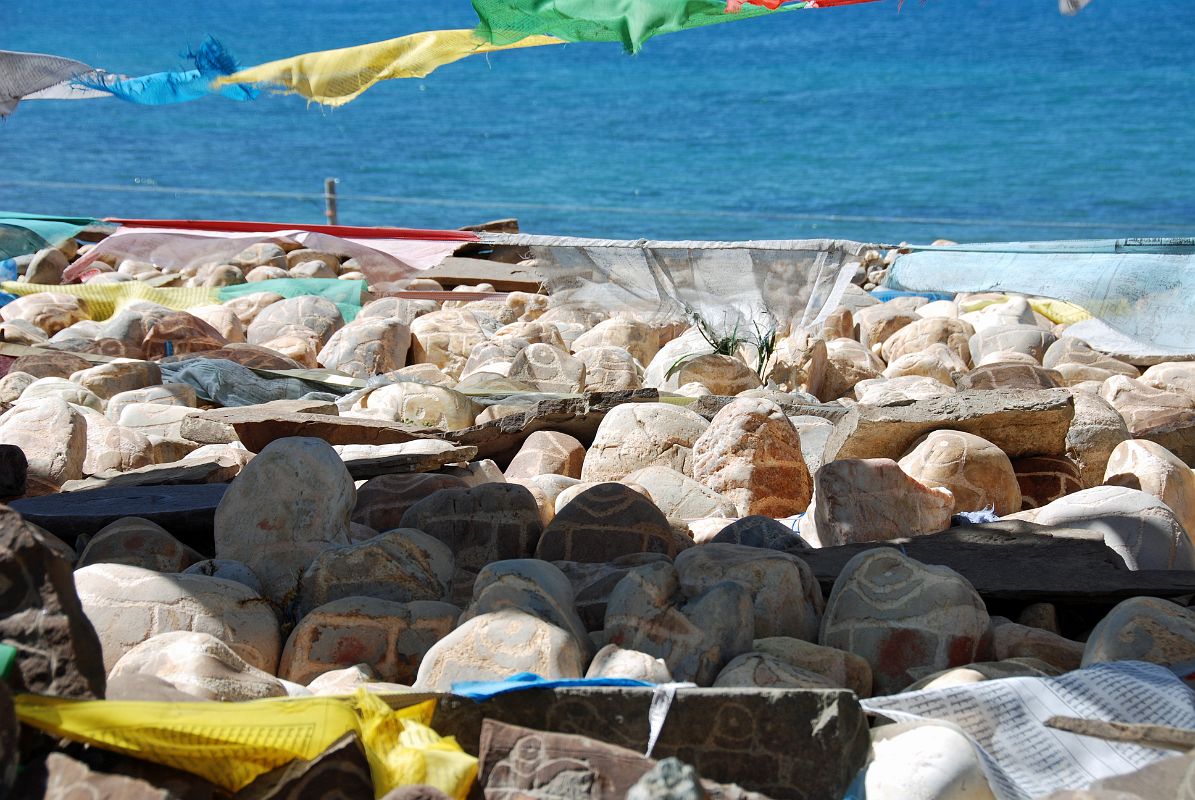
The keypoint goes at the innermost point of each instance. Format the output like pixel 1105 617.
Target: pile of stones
pixel 678 516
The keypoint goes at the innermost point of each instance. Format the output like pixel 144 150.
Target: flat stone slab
pixel 1021 422
pixel 1021 561
pixel 709 405
pixel 257 426
pixel 784 743
pixel 217 470
pixel 579 417
pixel 364 465
pixel 188 512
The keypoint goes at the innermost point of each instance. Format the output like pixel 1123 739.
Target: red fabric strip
pixel 343 231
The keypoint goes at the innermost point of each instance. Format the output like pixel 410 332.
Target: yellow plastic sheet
pixel 105 299
pixel 1056 311
pixel 231 744
pixel 336 77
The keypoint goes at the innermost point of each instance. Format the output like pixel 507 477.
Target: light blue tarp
pixel 21 234
pixel 1142 288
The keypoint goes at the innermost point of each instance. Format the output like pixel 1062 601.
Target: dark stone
pixel 607 521
pixel 782 743
pixel 760 531
pixel 415 793
pixel 58 651
pixel 68 779
pixel 188 512
pixel 50 365
pixel 670 779
pixel 339 773
pixel 382 501
pixel 14 469
pixel 256 427
pixel 9 737
pixel 593 583
pixel 1044 479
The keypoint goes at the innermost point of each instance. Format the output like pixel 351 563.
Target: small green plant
pixel 728 344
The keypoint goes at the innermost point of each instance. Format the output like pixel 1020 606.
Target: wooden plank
pixel 1013 560
pixel 1160 736
pixel 456 271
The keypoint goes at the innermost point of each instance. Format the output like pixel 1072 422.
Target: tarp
pixel 381 260
pixel 210 61
pixel 728 284
pixel 106 299
pixel 22 234
pixel 1141 288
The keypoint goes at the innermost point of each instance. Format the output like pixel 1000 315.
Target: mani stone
pixel 639 339
pixel 919 335
pixel 316 314
pixel 65 778
pixel 391 638
pixel 400 566
pixel 893 391
pixel 340 772
pixel 751 455
pixel 128 605
pixel 786 597
pixel 976 472
pixel 937 361
pixel 419 404
pixel 680 498
pixel 61 388
pixel 1044 479
pixel 49 365
pixel 1145 465
pixel 905 618
pixel 548 369
pixel 108 380
pixel 226 569
pixel 196 664
pixel 1137 526
pixel 723 375
pixel 1176 376
pixel 610 369
pixel 113 447
pixel 53 436
pixel 58 651
pixel 696 638
pixel 1028 339
pixel 489 522
pixel 759 531
pixel 445 337
pixel 1144 629
pixel 764 671
pixel 874 500
pixel 847 363
pixel 137 542
pixel 46 267
pixel 593 583
pixel 607 521
pixel 547 452
pixel 1011 640
pixel 382 501
pixel 839 667
pixel 1010 375
pixel 289 503
pixel 367 347
pixel 498 645
pixel 878 323
pixel 613 661
pixel 1145 408
pixel 49 311
pixel 531 585
pixel 1094 433
pixel 222 318
pixel 636 435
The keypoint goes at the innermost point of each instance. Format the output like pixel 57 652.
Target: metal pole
pixel 330 200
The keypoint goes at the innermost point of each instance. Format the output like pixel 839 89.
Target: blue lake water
pixel 976 120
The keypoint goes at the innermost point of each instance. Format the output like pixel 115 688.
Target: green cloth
pixel 631 22
pixel 345 294
pixel 21 234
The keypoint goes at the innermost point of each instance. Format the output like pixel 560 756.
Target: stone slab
pixel 578 416
pixel 188 512
pixel 365 468
pixel 257 426
pixel 1013 560
pixel 456 271
pixel 784 743
pixel 709 405
pixel 173 474
pixel 1021 422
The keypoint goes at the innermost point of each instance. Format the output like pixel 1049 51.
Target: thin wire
pixel 630 210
